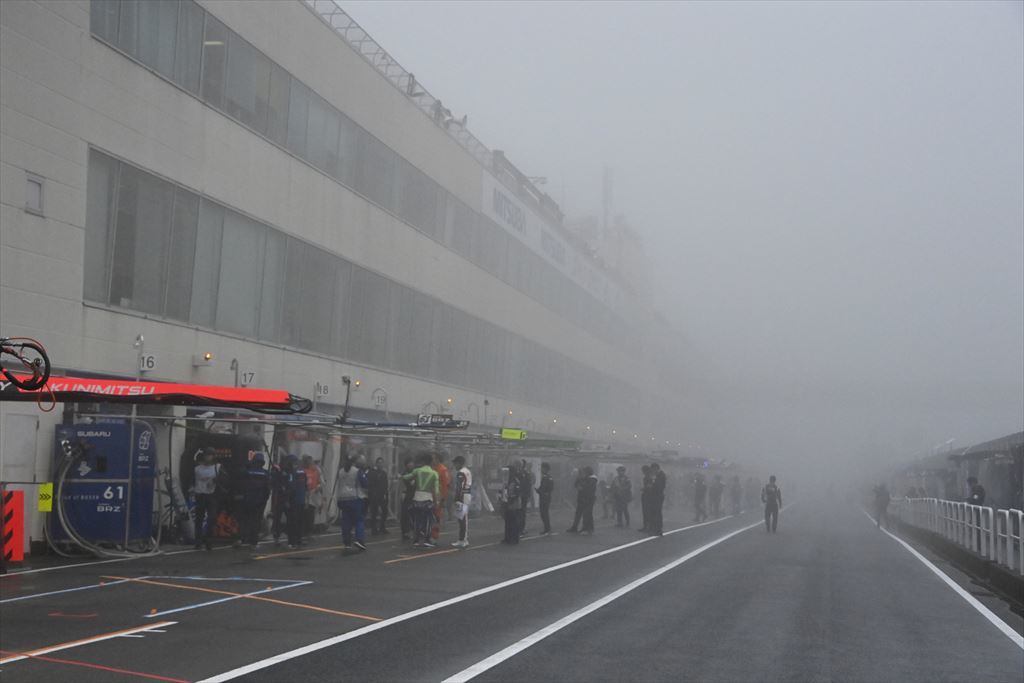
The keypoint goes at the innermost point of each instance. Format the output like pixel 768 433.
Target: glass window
pixel 247 88
pixel 103 18
pixel 206 271
pixel 144 206
pixel 368 304
pixel 147 31
pixel 241 265
pixel 99 213
pixel 375 171
pixel 182 255
pixel 316 299
pixel 277 105
pixel 339 333
pixel 417 195
pixel 291 322
pixel 189 49
pixel 348 150
pixel 411 326
pixel 272 287
pixel 215 60
pixel 298 117
pixel 322 135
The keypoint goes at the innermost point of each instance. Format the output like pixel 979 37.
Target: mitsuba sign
pixel 445 421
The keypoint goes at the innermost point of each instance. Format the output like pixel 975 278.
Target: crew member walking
pixel 205 489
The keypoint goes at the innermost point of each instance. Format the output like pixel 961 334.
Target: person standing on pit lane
pixel 526 475
pixel 586 497
pixel 657 499
pixel 408 489
pixel 736 495
pixel 252 495
pixel 463 497
pixel 547 486
pixel 426 495
pixel 715 492
pixel 377 488
pixel 294 500
pixel 350 503
pixel 444 480
pixel 645 497
pixel 622 494
pixel 771 496
pixel 204 487
pixel 512 499
pixel 700 496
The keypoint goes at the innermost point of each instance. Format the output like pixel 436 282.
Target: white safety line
pixel 534 638
pixel 227 599
pixel 1007 630
pixel 83 641
pixel 66 590
pixel 391 621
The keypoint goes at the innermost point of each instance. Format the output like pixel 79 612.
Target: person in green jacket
pixel 425 496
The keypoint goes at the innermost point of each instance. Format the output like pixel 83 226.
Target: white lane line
pixel 83 641
pixel 534 638
pixel 391 621
pixel 1007 630
pixel 65 590
pixel 227 599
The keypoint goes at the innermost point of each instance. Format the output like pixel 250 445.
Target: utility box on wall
pixel 106 471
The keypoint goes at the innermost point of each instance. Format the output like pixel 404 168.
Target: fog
pixel 831 196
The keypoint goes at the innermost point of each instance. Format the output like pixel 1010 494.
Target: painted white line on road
pixel 534 638
pixel 391 621
pixel 1007 630
pixel 83 641
pixel 65 590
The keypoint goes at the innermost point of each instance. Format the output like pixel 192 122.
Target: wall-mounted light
pixel 614 432
pixel 554 420
pixel 510 412
pixel 202 359
pixel 588 428
pixel 635 436
pixel 450 400
pixel 357 383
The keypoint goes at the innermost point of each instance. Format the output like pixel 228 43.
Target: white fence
pixel 988 532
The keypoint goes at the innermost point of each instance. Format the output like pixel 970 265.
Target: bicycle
pixel 32 358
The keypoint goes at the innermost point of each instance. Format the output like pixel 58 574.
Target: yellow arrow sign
pixel 45 497
pixel 513 434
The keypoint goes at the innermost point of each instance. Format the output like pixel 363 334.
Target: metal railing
pixel 990 533
pixel 405 82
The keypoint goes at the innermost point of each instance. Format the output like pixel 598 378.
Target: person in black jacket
pixel 512 500
pixel 586 496
pixel 771 496
pixel 657 498
pixel 547 485
pixel 645 497
pixel 377 489
pixel 252 493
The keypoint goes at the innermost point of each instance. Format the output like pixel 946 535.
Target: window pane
pixel 272 287
pixel 148 32
pixel 128 27
pixel 342 294
pixel 247 88
pixel 189 48
pixel 290 315
pixel 375 171
pixel 182 256
pixel 348 150
pixel 322 135
pixel 241 261
pixel 103 19
pixel 277 107
pixel 207 264
pixel 316 299
pixel 144 207
pixel 99 211
pixel 215 58
pixel 368 317
pixel 298 117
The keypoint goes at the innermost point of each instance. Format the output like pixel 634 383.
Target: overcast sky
pixel 832 194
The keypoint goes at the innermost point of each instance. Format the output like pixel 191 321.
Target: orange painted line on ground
pixel 150 582
pixel 102 667
pixel 82 641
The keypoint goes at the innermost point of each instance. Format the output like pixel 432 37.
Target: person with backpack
pixel 771 496
pixel 622 495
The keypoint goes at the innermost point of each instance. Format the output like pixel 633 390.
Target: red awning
pixel 89 390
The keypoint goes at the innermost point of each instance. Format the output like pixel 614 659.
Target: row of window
pixel 156 247
pixel 187 45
